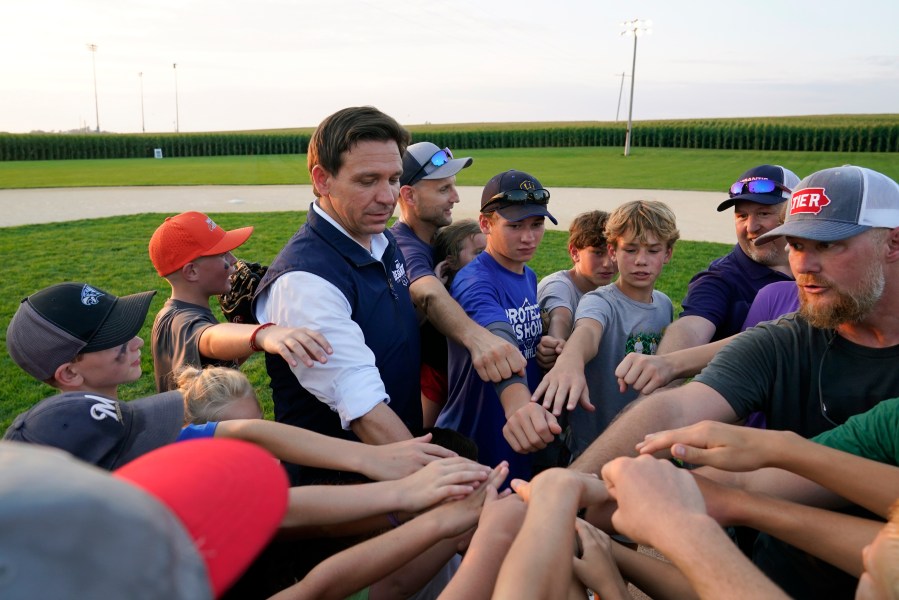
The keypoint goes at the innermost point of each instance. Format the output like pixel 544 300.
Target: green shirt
pixel 873 434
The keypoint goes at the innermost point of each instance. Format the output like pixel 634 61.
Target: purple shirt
pixel 723 293
pixel 419 255
pixel 772 302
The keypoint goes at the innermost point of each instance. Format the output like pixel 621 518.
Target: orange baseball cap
pixel 188 236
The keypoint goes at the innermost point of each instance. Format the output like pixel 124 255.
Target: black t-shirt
pixel 774 368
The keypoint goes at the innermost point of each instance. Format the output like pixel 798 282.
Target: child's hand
pixel 400 459
pixel 438 481
pixel 294 343
pixel 530 428
pixel 459 516
pixel 548 349
pixel 644 372
pixel 596 567
pixel 564 387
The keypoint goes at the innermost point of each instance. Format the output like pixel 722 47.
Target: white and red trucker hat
pixel 839 203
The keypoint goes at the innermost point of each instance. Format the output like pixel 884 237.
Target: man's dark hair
pixel 344 129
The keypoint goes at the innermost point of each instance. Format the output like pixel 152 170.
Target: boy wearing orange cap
pixel 194 255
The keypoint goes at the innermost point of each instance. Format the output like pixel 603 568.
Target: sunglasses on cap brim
pixel 438 159
pixel 540 196
pixel 757 186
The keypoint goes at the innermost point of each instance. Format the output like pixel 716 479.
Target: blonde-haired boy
pixel 626 316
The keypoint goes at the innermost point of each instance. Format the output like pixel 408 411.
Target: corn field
pixel 861 133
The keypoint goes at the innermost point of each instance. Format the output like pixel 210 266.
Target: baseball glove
pixel 236 303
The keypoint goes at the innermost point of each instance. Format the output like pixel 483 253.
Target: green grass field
pixel 646 168
pixel 111 254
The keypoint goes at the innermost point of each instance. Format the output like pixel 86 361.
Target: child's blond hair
pixel 643 218
pixel 207 392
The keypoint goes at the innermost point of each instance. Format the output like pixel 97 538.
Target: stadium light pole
pixel 635 28
pixel 143 126
pixel 93 50
pixel 177 123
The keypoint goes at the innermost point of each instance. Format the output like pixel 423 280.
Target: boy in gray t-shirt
pixel 626 316
pixel 593 267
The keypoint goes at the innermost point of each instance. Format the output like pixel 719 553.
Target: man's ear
pixel 407 194
pixel 321 179
pixel 893 245
pixel 67 375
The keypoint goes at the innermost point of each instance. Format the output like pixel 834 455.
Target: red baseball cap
pixel 188 236
pixel 229 495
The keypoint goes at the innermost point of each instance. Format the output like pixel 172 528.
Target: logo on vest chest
pixel 399 273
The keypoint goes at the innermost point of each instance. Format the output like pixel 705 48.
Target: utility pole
pixel 93 50
pixel 620 90
pixel 177 124
pixel 143 126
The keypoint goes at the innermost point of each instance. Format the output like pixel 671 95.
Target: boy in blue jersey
pixel 499 292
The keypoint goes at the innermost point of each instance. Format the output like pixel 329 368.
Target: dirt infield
pixel 697 218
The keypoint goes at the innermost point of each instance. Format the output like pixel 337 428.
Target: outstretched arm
pixel 497 528
pixel 231 341
pixel 330 504
pixel 832 537
pixel 361 565
pixel 304 447
pixel 676 407
pixel 494 358
pixel 565 386
pixel 648 372
pixel 539 564
pixel 867 483
pixel 661 506
pixel 686 332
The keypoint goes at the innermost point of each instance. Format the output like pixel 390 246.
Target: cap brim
pixel 768 199
pixel 520 212
pixel 155 422
pixel 449 168
pixel 229 495
pixel 230 241
pixel 123 322
pixel 814 229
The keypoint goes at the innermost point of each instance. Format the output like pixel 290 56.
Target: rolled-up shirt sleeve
pixel 349 383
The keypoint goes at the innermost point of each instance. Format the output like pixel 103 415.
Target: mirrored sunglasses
pixel 756 186
pixel 438 159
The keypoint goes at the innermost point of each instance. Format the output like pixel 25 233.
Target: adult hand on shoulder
pixel 294 343
pixel 494 358
pixel 728 447
pixel 644 372
pixel 530 428
pixel 548 350
pixel 564 387
pixel 399 459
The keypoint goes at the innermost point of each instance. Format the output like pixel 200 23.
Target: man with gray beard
pixel 809 371
pixel 719 298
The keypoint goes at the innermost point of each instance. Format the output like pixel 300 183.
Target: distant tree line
pixel 802 134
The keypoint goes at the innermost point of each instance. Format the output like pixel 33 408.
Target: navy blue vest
pixel 378 294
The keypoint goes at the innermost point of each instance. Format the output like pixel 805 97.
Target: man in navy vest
pixel 343 275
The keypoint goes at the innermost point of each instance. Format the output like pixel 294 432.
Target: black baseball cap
pixel 52 326
pixel 516 181
pixel 784 181
pixel 105 432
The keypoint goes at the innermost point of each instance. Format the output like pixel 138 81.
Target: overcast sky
pixel 288 63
